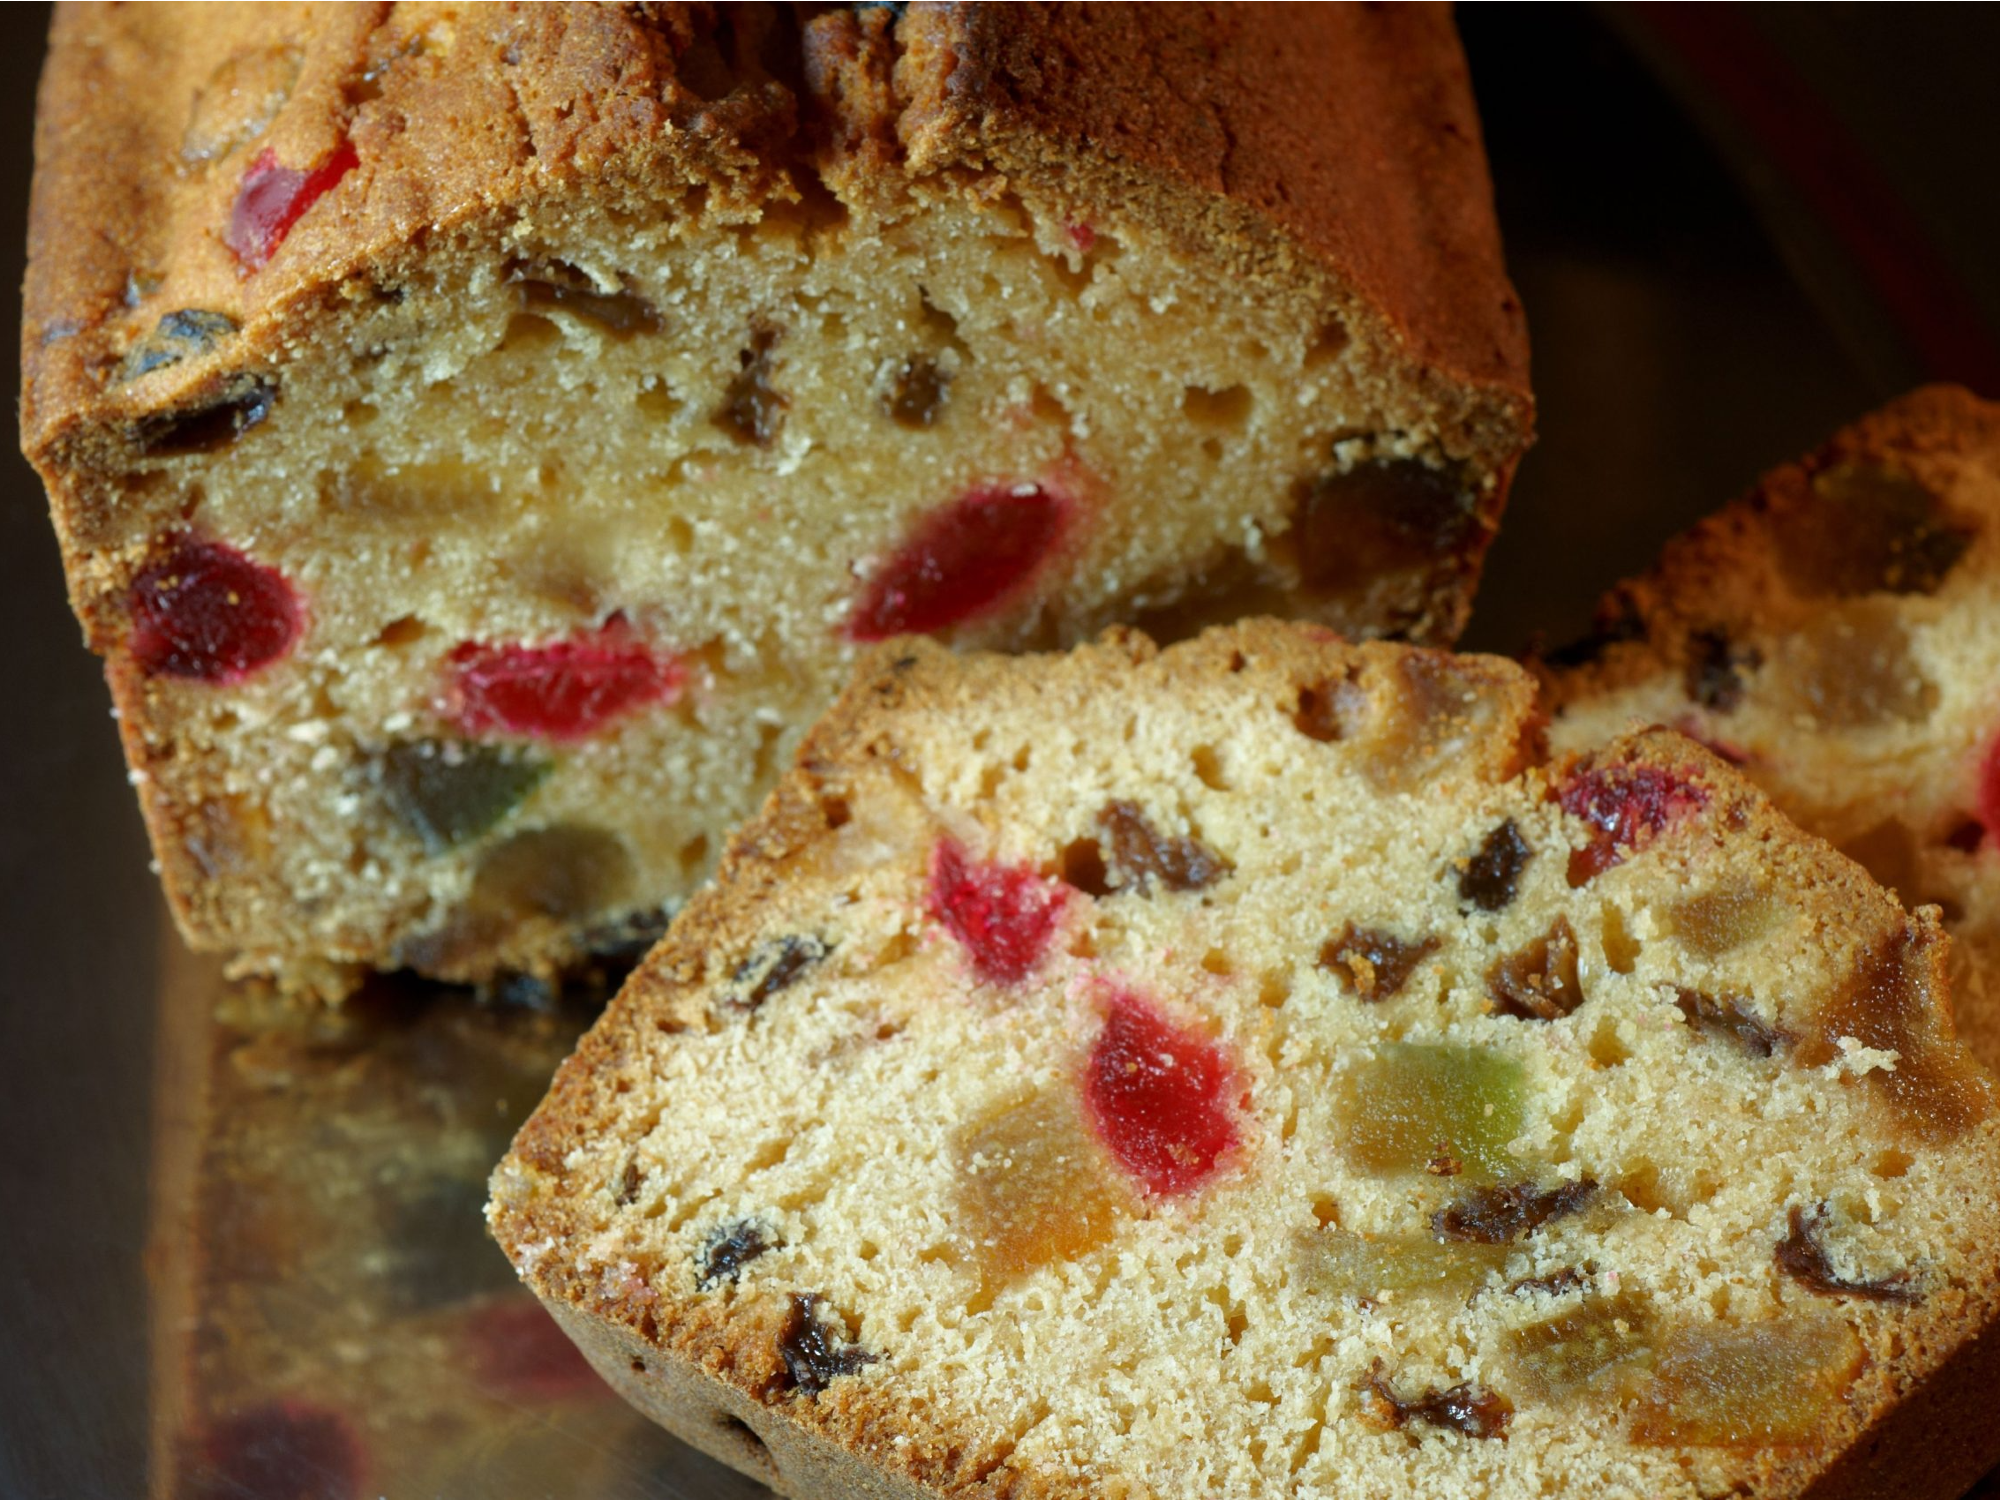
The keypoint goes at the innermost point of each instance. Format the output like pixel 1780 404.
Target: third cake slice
pixel 1253 1069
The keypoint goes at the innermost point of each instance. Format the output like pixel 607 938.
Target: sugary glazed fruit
pixel 1836 635
pixel 1250 1069
pixel 476 425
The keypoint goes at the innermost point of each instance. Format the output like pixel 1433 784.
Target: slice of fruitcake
pixel 1836 635
pixel 1248 1069
pixel 482 436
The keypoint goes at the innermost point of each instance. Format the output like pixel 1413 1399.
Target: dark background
pixel 1733 229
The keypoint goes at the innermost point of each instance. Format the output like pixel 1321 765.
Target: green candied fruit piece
pixel 447 792
pixel 1417 1106
pixel 1358 1265
pixel 1556 1358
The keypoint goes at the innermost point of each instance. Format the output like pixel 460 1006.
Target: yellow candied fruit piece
pixel 1757 1386
pixel 1414 1102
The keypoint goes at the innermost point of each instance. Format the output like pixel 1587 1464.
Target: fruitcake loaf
pixel 1836 635
pixel 481 437
pixel 1251 1068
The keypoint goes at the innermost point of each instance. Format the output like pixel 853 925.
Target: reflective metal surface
pixel 243 1255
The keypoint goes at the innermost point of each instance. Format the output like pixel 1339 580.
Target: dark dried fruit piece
pixel 178 335
pixel 1490 877
pixel 1466 1408
pixel 813 1359
pixel 1538 983
pixel 753 409
pixel 1159 1096
pixel 1142 854
pixel 290 1448
pixel 1003 916
pixel 1756 1386
pixel 1733 1017
pixel 1875 529
pixel 730 1249
pixel 1557 1358
pixel 563 690
pixel 558 285
pixel 774 966
pixel 1801 1255
pixel 916 392
pixel 244 402
pixel 1715 668
pixel 273 197
pixel 1381 516
pixel 1626 807
pixel 448 792
pixel 1372 963
pixel 207 612
pixel 1502 1214
pixel 961 560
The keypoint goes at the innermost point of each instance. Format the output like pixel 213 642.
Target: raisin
pixel 916 392
pixel 1034 1188
pixel 961 561
pixel 1003 916
pixel 1801 1255
pixel 1142 854
pixel 752 409
pixel 1626 808
pixel 1466 1408
pixel 774 966
pixel 207 612
pixel 1538 983
pixel 1501 1214
pixel 730 1249
pixel 178 335
pixel 1732 1017
pixel 1557 1358
pixel 290 1448
pixel 1381 516
pixel 558 285
pixel 1490 877
pixel 1555 1284
pixel 1715 668
pixel 566 872
pixel 1756 1386
pixel 245 401
pixel 813 1358
pixel 272 198
pixel 1874 529
pixel 1159 1096
pixel 1399 1104
pixel 1331 710
pixel 565 690
pixel 1372 963
pixel 448 792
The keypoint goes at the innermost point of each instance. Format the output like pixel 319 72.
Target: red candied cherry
pixel 1159 1096
pixel 206 611
pixel 516 1350
pixel 1989 789
pixel 273 197
pixel 961 561
pixel 292 1449
pixel 1002 915
pixel 1626 806
pixel 565 690
pixel 1083 236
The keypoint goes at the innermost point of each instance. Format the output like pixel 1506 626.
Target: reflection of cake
pixel 332 1323
pixel 482 436
pixel 1837 635
pixel 1251 1069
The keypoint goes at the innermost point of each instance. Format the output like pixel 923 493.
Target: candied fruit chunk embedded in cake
pixel 1802 1255
pixel 1381 516
pixel 207 612
pixel 1723 918
pixel 1756 1385
pixel 1556 1359
pixel 1034 1187
pixel 448 792
pixel 1141 854
pixel 1409 1102
pixel 1501 1214
pixel 1873 529
pixel 917 391
pixel 1372 963
pixel 1626 808
pixel 1988 792
pixel 1002 915
pixel 1160 1096
pixel 273 197
pixel 1851 667
pixel 961 561
pixel 562 691
pixel 1366 1266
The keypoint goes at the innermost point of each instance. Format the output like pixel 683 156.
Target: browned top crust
pixel 1309 142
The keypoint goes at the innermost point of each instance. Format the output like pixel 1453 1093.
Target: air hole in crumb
pixel 1022 757
pixel 1607 1050
pixel 694 853
pixel 1621 949
pixel 868 1250
pixel 1227 409
pixel 1892 1163
pixel 1211 449
pixel 836 811
pixel 1208 766
pixel 1237 662
pixel 1083 944
pixel 638 1367
pixel 754 1450
pixel 359 413
pixel 1967 836
pixel 1081 866
pixel 530 333
pixel 1274 988
pixel 989 782
pixel 1238 1326
pixel 404 630
pixel 888 1031
pixel 658 402
pixel 1327 344
pixel 1217 962
pixel 669 1027
pixel 1641 1187
pixel 1326 1213
pixel 223 720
